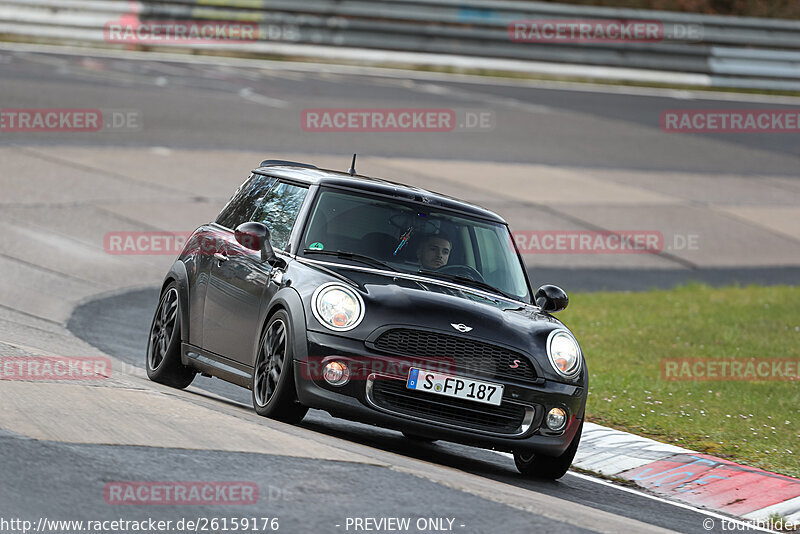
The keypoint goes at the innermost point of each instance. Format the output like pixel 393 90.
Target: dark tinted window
pixel 279 211
pixel 399 233
pixel 243 203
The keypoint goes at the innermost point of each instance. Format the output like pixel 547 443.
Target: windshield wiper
pixel 468 281
pixel 351 256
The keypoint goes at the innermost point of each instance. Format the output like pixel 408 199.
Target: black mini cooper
pixel 377 302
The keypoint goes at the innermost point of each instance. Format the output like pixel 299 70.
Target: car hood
pixel 433 306
pixel 395 300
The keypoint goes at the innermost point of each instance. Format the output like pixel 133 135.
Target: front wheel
pixel 164 344
pixel 548 467
pixel 274 393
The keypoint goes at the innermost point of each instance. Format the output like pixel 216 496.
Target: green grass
pixel 625 336
pixel 780 523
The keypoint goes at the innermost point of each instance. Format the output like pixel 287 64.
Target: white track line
pixel 248 94
pixel 744 524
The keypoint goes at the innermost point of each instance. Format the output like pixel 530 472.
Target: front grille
pixel 467 354
pixel 393 395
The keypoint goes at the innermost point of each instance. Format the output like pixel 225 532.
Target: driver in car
pixel 433 252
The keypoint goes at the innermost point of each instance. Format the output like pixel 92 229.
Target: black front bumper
pixel 376 379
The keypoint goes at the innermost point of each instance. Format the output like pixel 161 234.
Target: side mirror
pixel 255 236
pixel 551 299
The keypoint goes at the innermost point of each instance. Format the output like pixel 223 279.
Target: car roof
pixel 309 174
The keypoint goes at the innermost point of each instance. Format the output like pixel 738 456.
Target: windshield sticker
pixel 316 246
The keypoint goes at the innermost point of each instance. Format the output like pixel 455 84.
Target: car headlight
pixel 337 307
pixel 564 353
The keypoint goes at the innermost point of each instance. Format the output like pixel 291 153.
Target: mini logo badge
pixel 461 327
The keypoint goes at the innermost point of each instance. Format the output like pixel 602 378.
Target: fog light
pixel 556 419
pixel 336 373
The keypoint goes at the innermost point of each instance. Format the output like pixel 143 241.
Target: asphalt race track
pixel 118 325
pixel 199 106
pixel 555 157
pixel 575 159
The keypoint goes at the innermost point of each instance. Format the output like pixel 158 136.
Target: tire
pixel 548 467
pixel 273 390
pixel 418 438
pixel 164 343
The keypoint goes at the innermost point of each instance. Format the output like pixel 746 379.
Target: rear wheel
pixel 274 393
pixel 548 467
pixel 164 344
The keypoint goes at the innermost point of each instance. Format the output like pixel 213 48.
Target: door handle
pixel 220 256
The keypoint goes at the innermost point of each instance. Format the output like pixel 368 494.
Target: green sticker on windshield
pixel 316 246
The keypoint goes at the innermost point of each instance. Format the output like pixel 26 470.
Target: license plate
pixel 453 386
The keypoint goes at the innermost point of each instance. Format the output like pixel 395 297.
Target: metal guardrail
pixel 716 50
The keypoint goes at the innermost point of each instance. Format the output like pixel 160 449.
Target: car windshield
pixel 414 238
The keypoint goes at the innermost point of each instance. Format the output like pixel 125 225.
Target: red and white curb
pixel 687 476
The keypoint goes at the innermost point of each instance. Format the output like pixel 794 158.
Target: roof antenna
pixel 352 170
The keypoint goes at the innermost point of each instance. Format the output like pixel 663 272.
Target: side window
pixel 243 203
pixel 279 211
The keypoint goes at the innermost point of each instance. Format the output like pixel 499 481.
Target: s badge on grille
pixel 461 327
